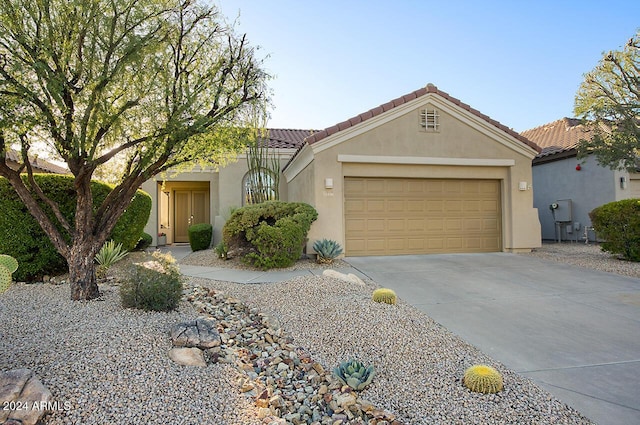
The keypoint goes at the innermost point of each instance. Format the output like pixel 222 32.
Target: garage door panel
pixel 412 216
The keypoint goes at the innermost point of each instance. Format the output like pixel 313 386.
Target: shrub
pixel 8 265
pixel 221 250
pixel 152 286
pixel 200 236
pixel 22 237
pixel 385 295
pixel 483 379
pixel 271 234
pixel 327 250
pixel 618 223
pixel 145 242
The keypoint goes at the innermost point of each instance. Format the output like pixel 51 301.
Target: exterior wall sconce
pixel 623 182
pixel 523 186
pixel 328 183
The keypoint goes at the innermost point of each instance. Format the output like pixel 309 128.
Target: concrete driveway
pixel 575 332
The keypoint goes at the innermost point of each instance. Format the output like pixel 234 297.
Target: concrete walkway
pixel 574 331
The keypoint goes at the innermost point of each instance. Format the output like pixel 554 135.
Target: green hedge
pixel 618 224
pixel 271 234
pixel 21 235
pixel 200 236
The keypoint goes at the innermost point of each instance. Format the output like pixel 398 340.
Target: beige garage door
pixel 387 216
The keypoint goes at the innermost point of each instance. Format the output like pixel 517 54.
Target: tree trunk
pixel 82 274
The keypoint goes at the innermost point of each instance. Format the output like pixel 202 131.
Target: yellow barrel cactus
pixel 385 295
pixel 483 379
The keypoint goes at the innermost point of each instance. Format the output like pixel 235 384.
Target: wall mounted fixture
pixel 623 182
pixel 328 183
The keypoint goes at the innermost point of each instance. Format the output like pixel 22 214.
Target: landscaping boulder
pixel 25 397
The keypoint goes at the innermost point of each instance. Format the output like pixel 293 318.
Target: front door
pixel 190 208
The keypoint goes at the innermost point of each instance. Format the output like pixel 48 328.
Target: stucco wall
pixel 588 188
pixel 403 137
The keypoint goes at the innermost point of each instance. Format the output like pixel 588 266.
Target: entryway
pixel 181 205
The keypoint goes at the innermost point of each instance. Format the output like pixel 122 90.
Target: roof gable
pixel 429 89
pixel 40 165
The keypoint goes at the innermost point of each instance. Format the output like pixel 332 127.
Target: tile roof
pixel 559 136
pixel 281 138
pixel 40 165
pixel 430 88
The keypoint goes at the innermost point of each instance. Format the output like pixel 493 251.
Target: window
pixel 429 120
pixel 258 186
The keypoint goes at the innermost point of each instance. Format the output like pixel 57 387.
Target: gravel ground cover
pixel 111 363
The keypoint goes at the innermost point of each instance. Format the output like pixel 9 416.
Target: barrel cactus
pixel 327 250
pixel 8 265
pixel 385 295
pixel 483 379
pixel 354 374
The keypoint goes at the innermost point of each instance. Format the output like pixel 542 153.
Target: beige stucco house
pixel 424 173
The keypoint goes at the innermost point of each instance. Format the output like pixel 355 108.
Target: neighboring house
pixel 424 173
pixel 14 160
pixel 579 185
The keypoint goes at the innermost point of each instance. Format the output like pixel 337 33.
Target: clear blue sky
pixel 520 62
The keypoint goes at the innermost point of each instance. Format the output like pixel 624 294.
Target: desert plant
pixel 385 295
pixel 145 242
pixel 483 379
pixel 354 374
pixel 8 265
pixel 22 237
pixel 110 253
pixel 221 250
pixel 618 223
pixel 271 234
pixel 154 285
pixel 327 250
pixel 200 236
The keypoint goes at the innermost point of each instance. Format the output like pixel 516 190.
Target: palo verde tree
pixel 150 84
pixel 609 102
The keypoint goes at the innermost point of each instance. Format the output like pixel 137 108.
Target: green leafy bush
pixel 271 234
pixel 618 223
pixel 145 242
pixel 22 237
pixel 152 286
pixel 200 236
pixel 221 250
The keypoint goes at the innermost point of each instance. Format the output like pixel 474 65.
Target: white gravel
pixel 111 364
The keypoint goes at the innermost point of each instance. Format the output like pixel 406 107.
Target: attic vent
pixel 429 119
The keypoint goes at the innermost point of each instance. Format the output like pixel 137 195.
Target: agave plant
pixel 327 250
pixel 354 374
pixel 109 254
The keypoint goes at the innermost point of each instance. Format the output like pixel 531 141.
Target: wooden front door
pixel 191 207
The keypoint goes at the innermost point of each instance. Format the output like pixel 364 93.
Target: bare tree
pixel 155 83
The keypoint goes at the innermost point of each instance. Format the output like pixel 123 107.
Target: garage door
pixel 387 216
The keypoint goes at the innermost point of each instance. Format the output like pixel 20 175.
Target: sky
pixel 519 62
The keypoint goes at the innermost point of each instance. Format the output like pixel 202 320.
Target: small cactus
pixel 9 262
pixel 354 374
pixel 327 250
pixel 483 379
pixel 385 295
pixel 8 265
